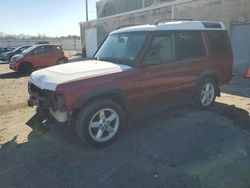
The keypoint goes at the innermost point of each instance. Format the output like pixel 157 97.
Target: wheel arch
pixel 64 58
pixel 114 94
pixel 212 74
pixel 24 62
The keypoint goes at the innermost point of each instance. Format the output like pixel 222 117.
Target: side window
pixel 189 45
pixel 48 49
pixel 161 50
pixel 217 42
pixel 43 49
pixel 39 50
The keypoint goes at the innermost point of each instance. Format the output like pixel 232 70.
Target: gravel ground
pixel 184 147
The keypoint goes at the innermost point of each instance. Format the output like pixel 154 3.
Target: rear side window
pixel 217 41
pixel 189 45
pixel 43 49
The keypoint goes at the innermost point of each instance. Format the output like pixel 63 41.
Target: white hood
pixel 51 77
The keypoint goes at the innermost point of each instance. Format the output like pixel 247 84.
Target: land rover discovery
pixel 136 68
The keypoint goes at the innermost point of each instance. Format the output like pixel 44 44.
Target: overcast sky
pixel 49 17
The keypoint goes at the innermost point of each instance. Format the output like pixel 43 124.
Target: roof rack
pixel 124 26
pixel 169 19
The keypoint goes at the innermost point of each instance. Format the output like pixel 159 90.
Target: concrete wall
pixel 67 44
pixel 230 12
pixel 111 7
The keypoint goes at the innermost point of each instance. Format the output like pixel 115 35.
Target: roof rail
pixel 169 19
pixel 124 26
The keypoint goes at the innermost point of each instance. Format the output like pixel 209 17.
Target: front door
pixel 160 79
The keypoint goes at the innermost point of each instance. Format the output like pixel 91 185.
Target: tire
pixel 26 68
pixel 205 93
pixel 61 61
pixel 99 122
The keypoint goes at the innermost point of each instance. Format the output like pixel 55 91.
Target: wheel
pixel 26 68
pixel 61 61
pixel 205 93
pixel 99 122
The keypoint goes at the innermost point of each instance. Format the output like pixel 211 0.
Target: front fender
pixel 115 93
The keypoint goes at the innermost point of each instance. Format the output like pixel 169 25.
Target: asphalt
pixel 184 147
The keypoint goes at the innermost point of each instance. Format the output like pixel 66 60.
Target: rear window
pixel 217 41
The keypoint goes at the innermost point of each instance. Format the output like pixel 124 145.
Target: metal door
pixel 91 41
pixel 240 40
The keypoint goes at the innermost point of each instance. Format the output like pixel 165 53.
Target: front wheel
pixel 26 67
pixel 99 122
pixel 205 93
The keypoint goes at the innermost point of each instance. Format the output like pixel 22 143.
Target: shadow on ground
pixel 4 62
pixel 239 116
pixel 10 75
pixel 183 147
pixel 235 86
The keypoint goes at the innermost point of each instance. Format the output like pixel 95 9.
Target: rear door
pixel 220 54
pixel 192 56
pixel 159 75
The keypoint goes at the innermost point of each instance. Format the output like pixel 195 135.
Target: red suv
pixel 136 68
pixel 38 56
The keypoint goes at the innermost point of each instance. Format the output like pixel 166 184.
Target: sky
pixel 49 17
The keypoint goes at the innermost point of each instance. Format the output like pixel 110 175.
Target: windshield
pixel 20 49
pixel 28 50
pixel 121 48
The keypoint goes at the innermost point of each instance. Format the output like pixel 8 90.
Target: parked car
pixel 138 68
pixel 8 55
pixel 38 56
pixel 5 49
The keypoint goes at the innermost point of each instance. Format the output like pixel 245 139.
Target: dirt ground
pixel 184 147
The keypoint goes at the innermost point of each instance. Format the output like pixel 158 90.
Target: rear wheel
pixel 61 61
pixel 206 93
pixel 99 122
pixel 26 68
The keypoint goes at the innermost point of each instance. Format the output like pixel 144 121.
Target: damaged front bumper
pixel 49 106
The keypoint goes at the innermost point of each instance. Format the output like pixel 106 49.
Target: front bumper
pixel 46 104
pixel 13 66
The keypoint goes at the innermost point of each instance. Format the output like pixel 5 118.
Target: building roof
pixel 174 25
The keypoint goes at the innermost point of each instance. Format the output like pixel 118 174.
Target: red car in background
pixel 38 56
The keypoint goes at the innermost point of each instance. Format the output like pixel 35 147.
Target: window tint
pixel 189 45
pixel 217 41
pixel 161 50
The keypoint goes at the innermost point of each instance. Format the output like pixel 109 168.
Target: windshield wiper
pixel 115 60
